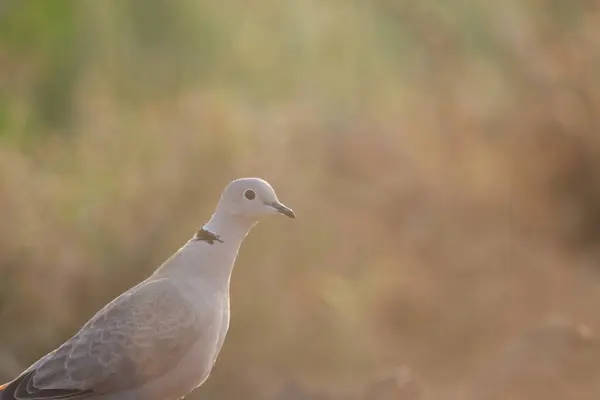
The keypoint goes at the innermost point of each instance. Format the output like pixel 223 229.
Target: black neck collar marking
pixel 206 236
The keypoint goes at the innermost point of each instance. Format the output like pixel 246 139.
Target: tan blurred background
pixel 443 158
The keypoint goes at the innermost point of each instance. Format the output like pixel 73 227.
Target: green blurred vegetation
pixel 443 158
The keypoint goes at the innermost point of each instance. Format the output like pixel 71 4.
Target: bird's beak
pixel 283 209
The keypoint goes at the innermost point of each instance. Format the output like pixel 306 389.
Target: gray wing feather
pixel 135 339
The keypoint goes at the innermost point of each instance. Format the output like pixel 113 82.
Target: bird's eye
pixel 250 194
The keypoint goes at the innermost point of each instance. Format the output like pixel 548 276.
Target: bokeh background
pixel 443 158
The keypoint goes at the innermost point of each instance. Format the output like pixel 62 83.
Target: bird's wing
pixel 135 339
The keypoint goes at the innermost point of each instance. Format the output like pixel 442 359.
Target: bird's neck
pixel 230 227
pixel 210 255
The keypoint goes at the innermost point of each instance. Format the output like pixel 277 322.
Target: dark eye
pixel 249 194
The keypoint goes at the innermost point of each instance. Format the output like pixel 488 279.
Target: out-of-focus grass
pixel 443 159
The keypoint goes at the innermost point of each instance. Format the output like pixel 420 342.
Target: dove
pixel 160 339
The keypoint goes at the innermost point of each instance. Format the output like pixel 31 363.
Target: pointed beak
pixel 282 209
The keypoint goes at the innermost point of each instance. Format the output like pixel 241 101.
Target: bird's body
pixel 160 339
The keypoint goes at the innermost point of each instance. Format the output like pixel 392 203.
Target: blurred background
pixel 443 158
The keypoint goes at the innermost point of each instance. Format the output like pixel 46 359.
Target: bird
pixel 160 339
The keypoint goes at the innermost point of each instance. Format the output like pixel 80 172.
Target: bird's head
pixel 251 198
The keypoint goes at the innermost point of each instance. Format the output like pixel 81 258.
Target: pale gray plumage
pixel 160 339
